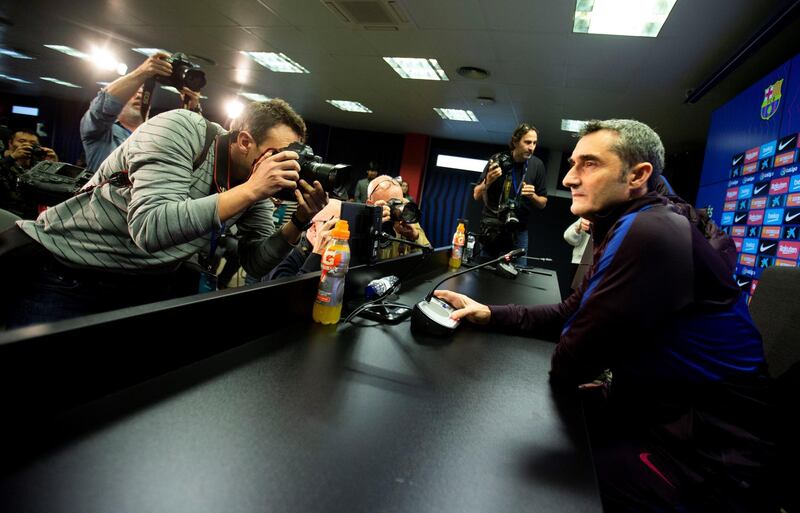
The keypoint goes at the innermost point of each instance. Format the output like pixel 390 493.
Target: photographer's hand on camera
pixel 310 200
pixel 190 99
pixel 492 175
pixel 21 152
pixel 154 65
pixel 273 172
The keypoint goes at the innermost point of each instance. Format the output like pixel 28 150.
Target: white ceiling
pixel 540 71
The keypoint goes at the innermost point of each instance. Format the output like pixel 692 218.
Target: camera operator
pixel 387 192
pixel 512 182
pixel 165 194
pixel 22 154
pixel 115 112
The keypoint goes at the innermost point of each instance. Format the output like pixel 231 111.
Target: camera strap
pixel 147 97
pixel 222 164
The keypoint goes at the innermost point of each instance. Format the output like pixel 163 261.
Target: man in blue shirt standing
pixel 114 113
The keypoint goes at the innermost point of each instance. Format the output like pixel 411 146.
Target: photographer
pixel 167 193
pixel 387 192
pixel 512 182
pixel 115 112
pixel 22 154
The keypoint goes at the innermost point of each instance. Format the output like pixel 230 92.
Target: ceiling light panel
pixel 572 125
pixel 456 114
pixel 256 97
pixel 277 62
pixel 60 82
pixel 69 51
pixel 14 54
pixel 621 17
pixel 349 106
pixel 416 69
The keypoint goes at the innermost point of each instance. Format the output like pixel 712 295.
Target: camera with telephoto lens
pixel 505 162
pixel 184 73
pixel 331 176
pixel 400 210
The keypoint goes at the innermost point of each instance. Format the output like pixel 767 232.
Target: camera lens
pixel 330 176
pixel 194 79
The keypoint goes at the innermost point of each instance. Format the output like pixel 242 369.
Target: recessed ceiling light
pixel 276 62
pixel 60 82
pixel 621 17
pixel 456 114
pixel 572 125
pixel 103 84
pixel 349 106
pixel 255 97
pixel 150 51
pixel 69 51
pixel 485 100
pixel 14 54
pixel 473 73
pixel 417 69
pixel 14 79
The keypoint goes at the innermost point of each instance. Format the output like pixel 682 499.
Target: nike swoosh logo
pixel 790 217
pixel 737 160
pixel 645 458
pixel 739 218
pixel 787 143
pixel 760 189
pixel 763 249
pixel 742 283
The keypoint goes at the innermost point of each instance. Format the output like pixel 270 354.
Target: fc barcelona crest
pixel 772 99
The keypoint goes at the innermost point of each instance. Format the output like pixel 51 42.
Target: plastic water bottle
pixel 469 249
pixel 458 247
pixel 377 288
pixel 335 262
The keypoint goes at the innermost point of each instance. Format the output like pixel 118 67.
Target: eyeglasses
pixel 384 184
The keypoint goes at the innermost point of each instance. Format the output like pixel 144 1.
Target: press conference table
pixel 304 418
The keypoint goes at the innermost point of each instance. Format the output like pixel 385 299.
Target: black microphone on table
pixel 431 316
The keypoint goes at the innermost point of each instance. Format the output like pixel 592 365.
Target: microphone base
pixel 433 318
pixel 507 270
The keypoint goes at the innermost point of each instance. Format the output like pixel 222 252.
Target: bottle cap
pixel 341 230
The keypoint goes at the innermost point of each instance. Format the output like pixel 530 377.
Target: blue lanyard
pixel 517 190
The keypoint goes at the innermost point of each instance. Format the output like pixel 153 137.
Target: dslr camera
pixel 37 153
pixel 331 176
pixel 399 210
pixel 184 73
pixel 509 214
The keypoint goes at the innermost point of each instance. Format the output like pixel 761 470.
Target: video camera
pixel 49 183
pixel 184 73
pixel 331 176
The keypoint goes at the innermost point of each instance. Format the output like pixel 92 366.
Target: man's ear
pixel 244 141
pixel 639 175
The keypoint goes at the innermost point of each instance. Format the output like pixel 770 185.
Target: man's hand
pixel 191 99
pixel 494 173
pixel 273 173
pixel 324 235
pixel 528 191
pixel 310 200
pixel 22 152
pixel 51 155
pixel 406 231
pixel 466 308
pixel 154 65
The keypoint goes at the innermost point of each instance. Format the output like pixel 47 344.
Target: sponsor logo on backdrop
pixel 764 165
pixel 729 206
pixel 757 203
pixel 738 217
pixel 761 188
pixel 785 263
pixel 784 159
pixel 764 176
pixel 767 150
pixel 748 260
pixel 749 169
pixel 794 183
pixel 738 242
pixel 745 191
pixel 792 200
pixel 771 232
pixel 789 141
pixel 735 172
pixel 772 100
pixel 773 216
pixel 754 231
pixel 727 218
pixel 737 159
pixel 747 271
pixel 749 156
pixel 738 231
pixel 791 215
pixel 765 261
pixel 743 205
pixel 732 194
pixel 768 248
pixel 755 217
pixel 779 186
pixel 788 249
pixel 776 201
pixel 750 246
pixel 790 232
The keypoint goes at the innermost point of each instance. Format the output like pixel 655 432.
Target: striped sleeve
pixel 161 214
pixel 261 246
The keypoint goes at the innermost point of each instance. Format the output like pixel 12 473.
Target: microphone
pixel 432 315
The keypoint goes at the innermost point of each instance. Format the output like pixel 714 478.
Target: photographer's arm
pixel 490 174
pixel 125 87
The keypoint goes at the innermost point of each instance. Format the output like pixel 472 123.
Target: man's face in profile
pixel 596 179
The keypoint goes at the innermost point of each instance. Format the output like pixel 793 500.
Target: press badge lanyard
pixel 222 165
pixel 518 189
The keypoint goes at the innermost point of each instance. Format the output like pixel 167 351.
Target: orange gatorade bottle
pixel 335 262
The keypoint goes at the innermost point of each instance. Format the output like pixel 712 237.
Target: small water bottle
pixel 377 288
pixel 469 249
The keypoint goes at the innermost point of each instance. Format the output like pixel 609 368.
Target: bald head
pixel 384 188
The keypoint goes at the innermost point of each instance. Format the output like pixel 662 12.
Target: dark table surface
pixel 327 418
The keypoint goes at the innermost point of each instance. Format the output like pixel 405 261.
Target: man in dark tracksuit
pixel 685 422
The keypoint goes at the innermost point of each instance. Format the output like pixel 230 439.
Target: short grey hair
pixel 637 143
